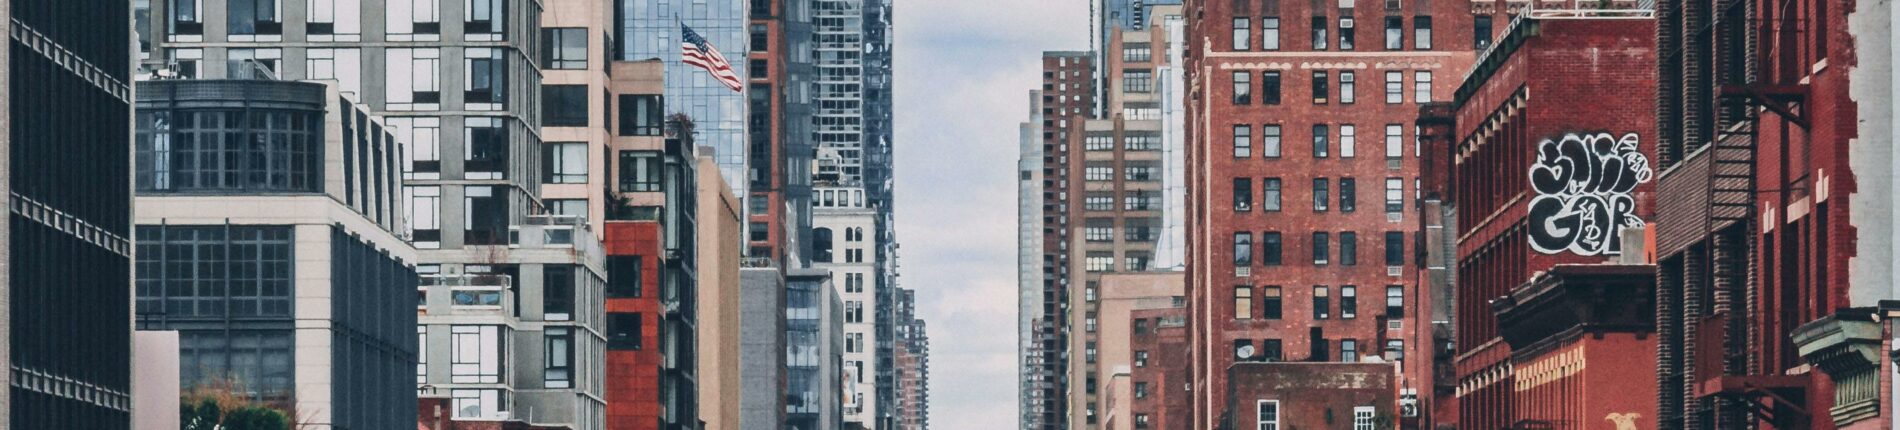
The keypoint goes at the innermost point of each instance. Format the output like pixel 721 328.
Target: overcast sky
pixel 964 71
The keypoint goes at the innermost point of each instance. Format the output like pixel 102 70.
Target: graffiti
pixel 1583 184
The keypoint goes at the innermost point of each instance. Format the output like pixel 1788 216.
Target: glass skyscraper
pixel 651 29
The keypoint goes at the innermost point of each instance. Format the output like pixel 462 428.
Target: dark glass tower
pixel 69 192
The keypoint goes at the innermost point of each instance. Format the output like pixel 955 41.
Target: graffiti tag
pixel 1583 184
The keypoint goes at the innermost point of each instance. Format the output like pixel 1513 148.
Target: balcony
pixel 465 294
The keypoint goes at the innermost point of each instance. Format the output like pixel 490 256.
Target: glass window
pixel 334 17
pixel 1243 194
pixel 564 48
pixel 1394 195
pixel 1270 303
pixel 405 17
pixel 564 105
pixel 1347 88
pixel 639 171
pixel 1348 302
pixel 1422 33
pixel 1322 303
pixel 228 150
pixel 1348 194
pixel 425 215
pixel 254 17
pixel 237 271
pixel 1241 34
pixel 1243 141
pixel 1394 87
pixel 1320 194
pixel 1394 33
pixel 1481 32
pixel 1270 248
pixel 1270 27
pixel 486 78
pixel 1349 352
pixel 557 292
pixel 1270 88
pixel 1348 248
pixel 1319 33
pixel 1320 90
pixel 1270 141
pixel 1270 194
pixel 1394 141
pixel 623 331
pixel 1243 88
pixel 560 358
pixel 1394 248
pixel 1137 81
pixel 486 148
pixel 262 359
pixel 486 16
pixel 1394 301
pixel 640 115
pixel 565 162
pixel 1422 87
pixel 413 76
pixel 475 354
pixel 1267 415
pixel 1320 133
pixel 185 18
pixel 1243 302
pixel 1243 249
pixel 1322 247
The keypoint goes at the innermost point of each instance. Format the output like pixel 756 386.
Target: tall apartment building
pixel 218 250
pixel 575 128
pixel 1275 172
pixel 1775 214
pixel 913 365
pixel 1055 113
pixel 779 117
pixel 844 245
pixel 649 30
pixel 68 249
pixel 816 384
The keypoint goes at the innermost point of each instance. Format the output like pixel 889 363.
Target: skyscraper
pixel 68 250
pixel 1049 139
pixel 651 29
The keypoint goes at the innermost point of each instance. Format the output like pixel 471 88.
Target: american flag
pixel 696 51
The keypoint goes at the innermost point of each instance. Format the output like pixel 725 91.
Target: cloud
pixel 964 69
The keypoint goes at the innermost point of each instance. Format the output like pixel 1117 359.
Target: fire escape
pixel 1751 79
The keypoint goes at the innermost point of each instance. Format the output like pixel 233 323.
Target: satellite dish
pixel 1244 351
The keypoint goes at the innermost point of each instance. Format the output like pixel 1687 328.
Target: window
pixel 1136 261
pixel 564 48
pixel 853 311
pixel 560 358
pixel 1348 194
pixel 1394 195
pixel 413 78
pixel 1141 420
pixel 1141 359
pixel 1394 87
pixel 565 162
pixel 564 105
pixel 1348 351
pixel 1320 194
pixel 639 171
pixel 1138 81
pixel 1243 249
pixel 1241 34
pixel 1422 87
pixel 1270 248
pixel 1270 88
pixel 406 17
pixel 343 65
pixel 1481 32
pixel 1142 201
pixel 241 271
pixel 1099 201
pixel 820 244
pixel 1090 352
pixel 761 39
pixel 424 135
pixel 486 148
pixel 1394 350
pixel 1243 302
pixel 1267 415
pixel 334 17
pixel 1346 87
pixel 1320 90
pixel 1394 141
pixel 1348 248
pixel 425 215
pixel 623 331
pixel 1348 35
pixel 854 342
pixel 1141 390
pixel 1270 194
pixel 1270 39
pixel 1140 172
pixel 180 150
pixel 1243 194
pixel 243 62
pixel 1422 33
pixel 422 354
pixel 1099 230
pixel 623 276
pixel 185 19
pixel 1243 88
pixel 1098 173
pixel 568 207
pixel 1137 53
pixel 1320 133
pixel 1272 351
pixel 1142 142
pixel 1270 303
pixel 485 16
pixel 1100 262
pixel 1394 248
pixel 1243 141
pixel 477 403
pixel 1319 33
pixel 485 79
pixel 640 115
pixel 1140 326
pixel 557 292
pixel 1098 143
pixel 1348 302
pixel 1322 245
pixel 254 17
pixel 475 354
pixel 1394 301
pixel 1394 33
pixel 486 210
pixel 1270 141
pixel 1322 305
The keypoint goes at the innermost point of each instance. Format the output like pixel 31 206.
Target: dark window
pixel 1243 249
pixel 486 16
pixel 1322 304
pixel 1270 248
pixel 564 105
pixel 564 48
pixel 1348 194
pixel 756 69
pixel 1348 248
pixel 1319 33
pixel 1348 33
pixel 253 17
pixel 1321 246
pixel 184 18
pixel 188 272
pixel 1270 88
pixel 487 147
pixel 262 359
pixel 1394 301
pixel 1348 302
pixel 1320 88
pixel 1320 196
pixel 1481 32
pixel 1317 346
pixel 623 330
pixel 821 245
pixel 761 40
pixel 1270 303
pixel 1321 132
pixel 639 171
pixel 1271 351
pixel 623 276
pixel 1394 248
pixel 487 208
pixel 217 150
pixel 640 115
pixel 488 79
pixel 557 290
pixel 1243 194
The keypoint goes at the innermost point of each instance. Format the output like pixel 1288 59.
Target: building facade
pixel 762 347
pixel 68 248
pixel 1312 395
pixel 651 243
pixel 720 222
pixel 1158 354
pixel 1043 201
pixel 913 365
pixel 1284 264
pixel 843 245
pixel 816 385
pixel 1117 358
pixel 218 251
pixel 648 30
pixel 780 109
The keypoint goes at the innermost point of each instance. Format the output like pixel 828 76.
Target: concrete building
pixel 1528 107
pixel 576 129
pixel 1775 213
pixel 652 264
pixel 843 244
pixel 816 383
pixel 762 348
pixel 300 276
pixel 67 242
pixel 1121 296
pixel 1311 395
pixel 1276 268
pixel 719 299
pixel 1055 113
pixel 648 30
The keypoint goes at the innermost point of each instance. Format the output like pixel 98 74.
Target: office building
pixel 779 116
pixel 68 251
pixel 647 30
pixel 1285 264
pixel 327 333
pixel 816 383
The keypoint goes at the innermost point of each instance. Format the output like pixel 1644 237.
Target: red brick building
pixel 1578 333
pixel 1302 163
pixel 1160 345
pixel 1311 396
pixel 1549 165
